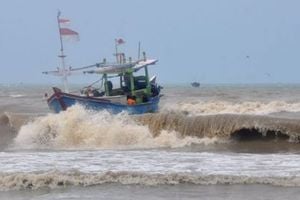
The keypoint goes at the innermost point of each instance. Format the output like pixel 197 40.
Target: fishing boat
pixel 195 84
pixel 124 85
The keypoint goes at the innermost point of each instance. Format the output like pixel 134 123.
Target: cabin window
pixel 113 86
pixel 140 82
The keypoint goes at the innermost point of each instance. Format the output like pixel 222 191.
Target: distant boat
pixel 195 84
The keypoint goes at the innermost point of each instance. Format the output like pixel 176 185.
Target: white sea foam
pixel 81 128
pixel 35 170
pixel 225 107
pixel 17 95
pixel 55 179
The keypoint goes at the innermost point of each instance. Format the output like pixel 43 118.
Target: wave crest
pixel 224 107
pixel 55 179
pixel 81 128
pixel 224 126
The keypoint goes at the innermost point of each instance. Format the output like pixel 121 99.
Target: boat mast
pixel 117 54
pixel 62 56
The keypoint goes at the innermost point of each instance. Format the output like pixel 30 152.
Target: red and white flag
pixel 69 34
pixel 64 21
pixel 120 41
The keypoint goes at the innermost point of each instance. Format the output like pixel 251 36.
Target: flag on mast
pixel 64 21
pixel 67 33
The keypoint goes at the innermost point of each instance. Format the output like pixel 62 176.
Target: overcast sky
pixel 210 41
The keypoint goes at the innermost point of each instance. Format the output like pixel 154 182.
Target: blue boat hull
pixel 60 101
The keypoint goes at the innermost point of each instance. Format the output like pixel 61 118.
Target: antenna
pixel 139 51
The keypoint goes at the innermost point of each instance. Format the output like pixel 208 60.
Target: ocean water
pixel 213 142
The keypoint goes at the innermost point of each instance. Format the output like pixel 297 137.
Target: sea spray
pixel 81 128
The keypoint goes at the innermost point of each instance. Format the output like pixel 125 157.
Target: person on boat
pixel 127 79
pixel 155 89
pixel 126 87
pixel 131 100
pixel 96 93
pixel 109 87
pixel 89 92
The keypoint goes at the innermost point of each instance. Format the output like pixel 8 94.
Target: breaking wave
pixel 4 119
pixel 15 120
pixel 225 126
pixel 225 107
pixel 81 128
pixel 7 130
pixel 10 124
pixel 55 179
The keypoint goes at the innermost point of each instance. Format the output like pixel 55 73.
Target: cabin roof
pixel 115 68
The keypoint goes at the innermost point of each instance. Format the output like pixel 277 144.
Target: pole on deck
pixel 139 51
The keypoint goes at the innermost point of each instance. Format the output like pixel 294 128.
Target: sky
pixel 210 41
